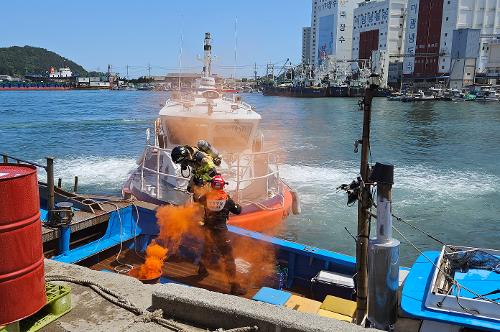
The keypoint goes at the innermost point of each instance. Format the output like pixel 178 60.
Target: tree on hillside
pixel 19 61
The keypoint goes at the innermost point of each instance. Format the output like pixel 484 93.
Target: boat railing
pixel 241 172
pixel 244 104
pixel 159 174
pixel 49 169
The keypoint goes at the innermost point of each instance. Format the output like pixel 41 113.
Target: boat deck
pixel 174 270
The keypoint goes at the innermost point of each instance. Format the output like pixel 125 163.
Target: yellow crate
pixel 303 304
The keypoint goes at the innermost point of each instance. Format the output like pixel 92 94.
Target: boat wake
pixel 314 183
pixel 95 174
pixel 415 183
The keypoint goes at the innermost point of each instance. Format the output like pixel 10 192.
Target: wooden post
pixel 363 206
pixel 50 185
pixel 75 186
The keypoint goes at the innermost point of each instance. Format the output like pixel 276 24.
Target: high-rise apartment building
pixel 430 28
pixel 306 45
pixel 379 26
pixel 331 29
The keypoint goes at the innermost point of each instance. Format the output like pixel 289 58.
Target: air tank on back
pixel 22 284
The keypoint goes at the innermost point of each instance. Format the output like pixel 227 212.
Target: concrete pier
pixel 216 310
pixel 195 308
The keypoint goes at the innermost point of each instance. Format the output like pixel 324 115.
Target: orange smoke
pixel 175 222
pixel 155 257
pixel 255 261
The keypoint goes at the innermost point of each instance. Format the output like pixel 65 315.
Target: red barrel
pixel 22 282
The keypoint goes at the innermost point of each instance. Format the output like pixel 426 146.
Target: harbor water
pixel 446 156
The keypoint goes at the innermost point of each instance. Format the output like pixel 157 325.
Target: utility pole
pixel 364 205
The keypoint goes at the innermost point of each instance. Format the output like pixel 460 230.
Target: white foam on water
pixel 417 181
pixel 108 172
pixel 448 183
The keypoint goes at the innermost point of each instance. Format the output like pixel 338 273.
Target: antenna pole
pixel 235 46
pixel 207 59
pixel 180 60
pixel 363 206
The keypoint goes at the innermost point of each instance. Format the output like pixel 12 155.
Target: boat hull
pixel 265 217
pixel 260 220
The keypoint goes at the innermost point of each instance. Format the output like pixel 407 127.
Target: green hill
pixel 18 61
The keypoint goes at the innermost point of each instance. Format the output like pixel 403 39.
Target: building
pixel 378 25
pixel 378 30
pixel 6 78
pixel 493 65
pixel 61 73
pixel 430 29
pixel 331 29
pixel 306 45
pixel 464 51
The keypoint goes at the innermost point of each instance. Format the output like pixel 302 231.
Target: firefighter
pixel 202 159
pixel 217 205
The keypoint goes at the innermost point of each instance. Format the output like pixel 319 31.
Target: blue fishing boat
pixel 457 287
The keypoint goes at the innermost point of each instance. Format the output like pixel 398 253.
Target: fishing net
pixel 465 259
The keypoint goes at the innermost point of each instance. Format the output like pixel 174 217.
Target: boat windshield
pixel 232 137
pixel 226 136
pixel 177 133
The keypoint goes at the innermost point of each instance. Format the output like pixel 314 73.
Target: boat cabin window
pixel 232 137
pixel 186 131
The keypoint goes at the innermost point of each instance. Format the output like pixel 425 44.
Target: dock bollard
pixel 64 215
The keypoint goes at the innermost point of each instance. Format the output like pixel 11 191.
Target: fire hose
pixel 147 316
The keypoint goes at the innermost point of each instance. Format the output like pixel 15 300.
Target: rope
pixel 240 329
pixel 123 268
pixel 346 188
pixel 120 301
pixel 144 315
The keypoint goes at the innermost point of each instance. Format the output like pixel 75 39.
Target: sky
pixel 95 33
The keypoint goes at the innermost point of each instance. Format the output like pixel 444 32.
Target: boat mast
pixel 364 205
pixel 207 58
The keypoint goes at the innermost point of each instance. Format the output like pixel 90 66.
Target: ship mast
pixel 207 58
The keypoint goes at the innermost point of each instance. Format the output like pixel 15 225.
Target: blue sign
pixel 326 45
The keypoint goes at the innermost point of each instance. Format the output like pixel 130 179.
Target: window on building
pixel 446 18
pixel 446 34
pixel 442 67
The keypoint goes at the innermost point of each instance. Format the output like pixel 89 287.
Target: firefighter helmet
pixel 179 154
pixel 218 182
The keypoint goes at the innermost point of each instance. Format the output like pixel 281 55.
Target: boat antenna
pixel 235 46
pixel 180 56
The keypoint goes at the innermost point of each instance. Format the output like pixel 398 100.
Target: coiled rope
pixel 144 315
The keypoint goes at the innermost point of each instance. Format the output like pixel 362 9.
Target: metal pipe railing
pixel 49 169
pixel 239 173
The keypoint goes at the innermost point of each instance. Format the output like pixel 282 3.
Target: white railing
pixel 242 177
pixel 242 172
pixel 157 172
